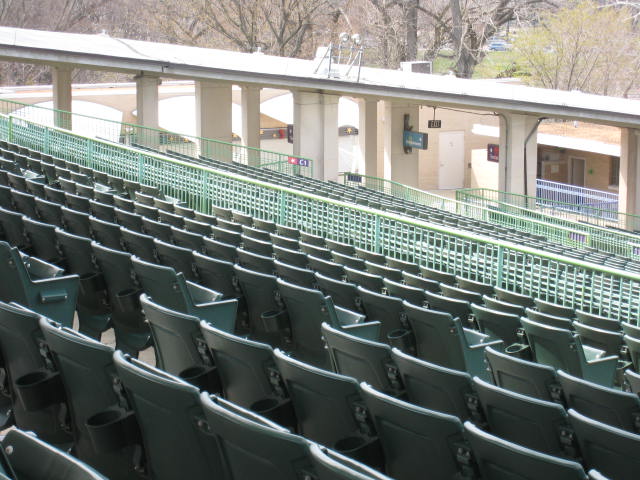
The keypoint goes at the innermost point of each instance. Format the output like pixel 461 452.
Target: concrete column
pixel 514 129
pixel 629 183
pixel 62 96
pixel 250 97
pixel 399 166
pixel 147 100
pixel 213 117
pixel 315 117
pixel 368 135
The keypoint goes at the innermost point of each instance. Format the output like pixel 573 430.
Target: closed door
pixel 577 171
pixel 451 160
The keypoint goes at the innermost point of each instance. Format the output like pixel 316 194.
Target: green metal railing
pixel 583 285
pixel 157 139
pixel 568 211
pixel 556 229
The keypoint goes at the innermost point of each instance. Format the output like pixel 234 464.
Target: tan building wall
pixel 555 165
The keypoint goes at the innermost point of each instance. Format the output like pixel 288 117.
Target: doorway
pixel 450 160
pixel 577 171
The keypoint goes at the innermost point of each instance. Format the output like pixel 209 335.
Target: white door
pixel 577 171
pixel 451 160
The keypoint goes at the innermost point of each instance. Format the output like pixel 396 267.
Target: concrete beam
pixel 213 117
pixel 368 135
pixel 514 130
pixel 250 98
pixel 62 95
pixel 147 100
pixel 315 118
pixel 629 183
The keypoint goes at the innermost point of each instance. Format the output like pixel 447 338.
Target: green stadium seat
pixel 312 239
pixel 229 225
pixel 500 459
pixel 53 295
pixel 348 261
pixel 36 187
pixel 30 458
pixel 597 321
pixel 389 311
pixel 437 275
pixel 254 261
pixel 458 293
pixel 326 267
pixel 131 331
pixel 343 294
pixel 284 242
pixel 106 233
pixel 94 314
pixel 330 465
pixel 547 319
pixel 606 340
pixel 25 203
pixel 168 288
pixel 264 225
pixel 11 229
pixel 633 381
pixel 257 247
pixel 441 339
pixel 457 308
pixel 521 376
pixel 43 241
pixel 54 195
pixel 33 385
pixel 608 405
pixel 302 277
pixel 537 424
pixel 159 230
pixel 364 280
pixel 420 282
pixel 226 236
pixel 196 227
pixel 204 218
pixel 633 345
pixel 326 406
pixel 506 307
pixel 416 441
pixel 403 265
pixel 256 233
pixel 290 257
pixel 307 309
pixel 630 329
pixel 563 350
pixel 366 360
pixel 77 203
pixel 129 220
pixel 123 203
pixel 186 239
pixel 497 324
pixel 340 247
pixel 254 447
pixel 178 345
pixel 102 211
pixel 267 318
pixel 474 286
pixel 178 258
pixel 316 251
pixel 220 250
pixel 139 244
pixel 413 295
pixel 514 297
pixel 87 371
pixel 148 212
pixel 612 451
pixel 554 309
pixel 176 444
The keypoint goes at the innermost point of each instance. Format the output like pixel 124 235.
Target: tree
pixel 586 47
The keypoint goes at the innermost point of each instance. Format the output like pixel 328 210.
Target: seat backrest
pixel 498 458
pixel 548 319
pixel 43 240
pixel 366 280
pixel 331 465
pixel 389 311
pixel 106 233
pixel 324 402
pixel 31 457
pixel 254 261
pixel 178 258
pixel 633 379
pixel 414 440
pixel 554 308
pixel 20 343
pixel 514 297
pixel 363 359
pixel 88 373
pixel 435 387
pixel 552 346
pixel 438 336
pixel 501 306
pixel 524 420
pixel 456 307
pixel 175 337
pixel 169 413
pixel 139 244
pixel 608 405
pixel 244 366
pixel 597 321
pixel 606 340
pixel 216 274
pixel 614 452
pixel 528 378
pixel 220 250
pixel 411 294
pixel 497 324
pixel 307 310
pixel 343 294
pixel 254 448
pixel 161 284
pixel 296 275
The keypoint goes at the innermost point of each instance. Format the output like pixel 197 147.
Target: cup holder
pixel 277 410
pixel 112 430
pixel 364 449
pixel 128 300
pixel 203 377
pixel 402 339
pixel 519 350
pixel 40 389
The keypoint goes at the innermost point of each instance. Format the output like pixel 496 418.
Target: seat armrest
pixel 473 337
pixel 202 295
pixel 349 317
pixel 367 330
pixel 39 269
